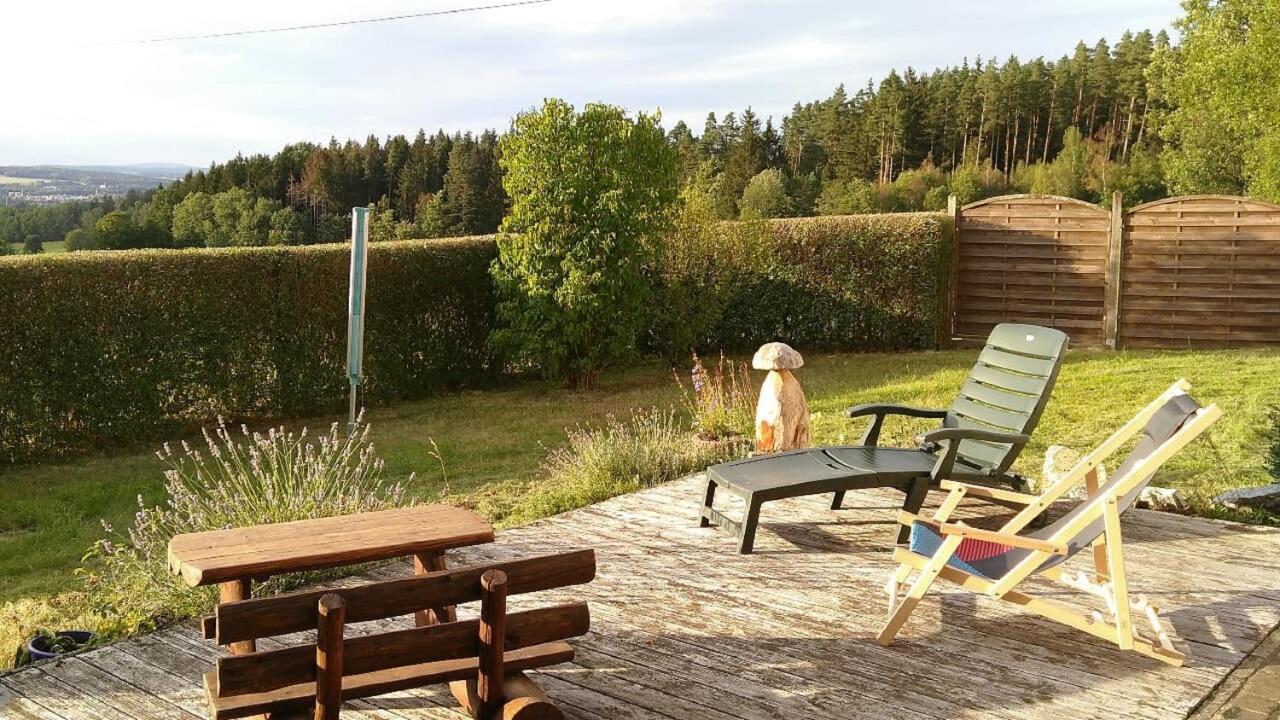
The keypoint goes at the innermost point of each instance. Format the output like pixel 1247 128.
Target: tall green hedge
pixel 104 348
pixel 108 348
pixel 857 282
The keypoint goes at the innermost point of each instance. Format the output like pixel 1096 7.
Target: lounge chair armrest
pixel 878 411
pixel 947 439
pixel 1002 538
pixel 886 409
pixel 990 493
pixel 947 434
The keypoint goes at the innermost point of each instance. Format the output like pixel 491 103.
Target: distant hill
pixel 42 184
pixel 171 171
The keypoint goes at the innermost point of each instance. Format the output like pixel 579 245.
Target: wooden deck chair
pixel 995 562
pixel 980 437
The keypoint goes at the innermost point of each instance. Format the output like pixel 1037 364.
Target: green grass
pixel 54 246
pixel 493 441
pixel 10 180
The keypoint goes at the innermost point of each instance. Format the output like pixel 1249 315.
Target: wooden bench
pixel 483 659
pixel 234 558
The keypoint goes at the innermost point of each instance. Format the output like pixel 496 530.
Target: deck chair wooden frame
pixel 1109 582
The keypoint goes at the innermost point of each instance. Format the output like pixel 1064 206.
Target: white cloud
pixel 71 99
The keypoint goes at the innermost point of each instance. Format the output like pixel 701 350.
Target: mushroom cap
pixel 776 356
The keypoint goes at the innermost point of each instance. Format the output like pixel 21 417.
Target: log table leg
pixel 230 592
pixel 424 563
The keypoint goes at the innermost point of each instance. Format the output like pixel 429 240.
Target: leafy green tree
pixel 765 197
pixel 592 194
pixel 429 218
pixel 1223 134
pixel 117 231
pixel 287 228
pixel 1068 173
pixel 847 197
pixel 79 239
pixel 193 222
pixel 33 245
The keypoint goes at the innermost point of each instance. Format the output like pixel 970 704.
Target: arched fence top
pixel 1190 271
pixel 1029 196
pixel 1252 203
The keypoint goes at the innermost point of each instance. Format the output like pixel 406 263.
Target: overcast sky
pixel 68 100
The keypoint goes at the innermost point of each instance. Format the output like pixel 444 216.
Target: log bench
pixel 232 559
pixel 483 660
pixel 439 649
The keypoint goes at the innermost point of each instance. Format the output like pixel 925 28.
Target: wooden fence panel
pixel 1201 271
pixel 1035 259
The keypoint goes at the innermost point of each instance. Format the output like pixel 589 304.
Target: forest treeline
pixel 1143 116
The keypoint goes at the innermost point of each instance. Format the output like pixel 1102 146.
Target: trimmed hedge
pixel 856 282
pixel 110 348
pixel 104 348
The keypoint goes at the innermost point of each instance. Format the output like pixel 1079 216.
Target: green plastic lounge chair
pixel 981 435
pixel 994 562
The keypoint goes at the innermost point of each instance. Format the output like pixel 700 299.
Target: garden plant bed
pixel 683 627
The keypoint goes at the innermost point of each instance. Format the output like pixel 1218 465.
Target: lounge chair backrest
pixel 1007 390
pixel 1159 429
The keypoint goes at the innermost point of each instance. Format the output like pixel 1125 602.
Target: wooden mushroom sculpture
pixel 782 416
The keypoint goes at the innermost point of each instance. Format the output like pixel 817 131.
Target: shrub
pixel 105 348
pixel 649 448
pixel 847 197
pixel 720 401
pixel 765 197
pixel 591 195
pixel 689 275
pixel 79 239
pixel 238 480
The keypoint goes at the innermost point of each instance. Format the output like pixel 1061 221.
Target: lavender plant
pixel 238 479
pixel 719 401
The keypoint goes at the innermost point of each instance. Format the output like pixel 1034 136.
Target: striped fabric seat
pixel 978 557
pixel 992 560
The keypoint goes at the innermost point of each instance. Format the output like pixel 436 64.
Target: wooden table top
pixel 254 552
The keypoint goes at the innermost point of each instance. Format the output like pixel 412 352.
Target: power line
pixel 317 26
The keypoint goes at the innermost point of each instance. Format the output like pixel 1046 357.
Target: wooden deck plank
pixel 687 628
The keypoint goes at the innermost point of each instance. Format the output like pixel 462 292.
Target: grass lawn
pixel 493 441
pixel 54 246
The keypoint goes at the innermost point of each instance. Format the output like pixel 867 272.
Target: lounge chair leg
pixel 747 540
pixel 928 574
pixel 837 499
pixel 917 491
pixel 704 516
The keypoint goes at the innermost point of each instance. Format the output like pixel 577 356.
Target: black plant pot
pixel 40 649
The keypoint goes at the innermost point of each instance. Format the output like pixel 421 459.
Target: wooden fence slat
pixel 1196 271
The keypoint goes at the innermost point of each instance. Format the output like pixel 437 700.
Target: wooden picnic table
pixel 234 558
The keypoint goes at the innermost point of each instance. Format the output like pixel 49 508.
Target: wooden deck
pixel 686 628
